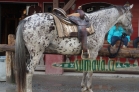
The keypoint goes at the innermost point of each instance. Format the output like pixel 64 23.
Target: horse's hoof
pixel 90 91
pixel 83 89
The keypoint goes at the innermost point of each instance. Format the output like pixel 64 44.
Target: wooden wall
pixel 135 11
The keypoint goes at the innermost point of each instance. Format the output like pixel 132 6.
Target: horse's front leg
pixel 83 83
pixel 86 83
pixel 89 81
pixel 90 74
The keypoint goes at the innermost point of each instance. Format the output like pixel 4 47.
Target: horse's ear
pixel 131 6
pixel 128 6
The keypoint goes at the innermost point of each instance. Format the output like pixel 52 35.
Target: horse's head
pixel 126 19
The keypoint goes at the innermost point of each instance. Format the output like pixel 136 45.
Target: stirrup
pixel 82 56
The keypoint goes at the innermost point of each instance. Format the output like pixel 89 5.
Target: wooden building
pixel 12 11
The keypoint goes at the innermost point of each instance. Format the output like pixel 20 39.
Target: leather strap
pixel 115 54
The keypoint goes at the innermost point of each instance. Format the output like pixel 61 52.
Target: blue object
pixel 2 68
pixel 116 32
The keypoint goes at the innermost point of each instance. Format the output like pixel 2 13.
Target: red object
pixel 49 60
pixel 72 58
pixel 98 58
pixel 123 60
pixel 131 60
pixel 138 61
pixel 106 59
pixel 79 57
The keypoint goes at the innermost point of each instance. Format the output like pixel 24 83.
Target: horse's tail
pixel 20 58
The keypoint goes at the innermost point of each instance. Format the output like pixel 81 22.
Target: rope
pixel 115 54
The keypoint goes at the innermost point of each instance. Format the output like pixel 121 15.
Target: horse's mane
pixel 118 7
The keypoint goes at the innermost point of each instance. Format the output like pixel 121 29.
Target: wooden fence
pixel 10 54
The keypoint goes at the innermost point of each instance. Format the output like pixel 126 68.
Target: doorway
pixel 48 7
pixel 11 14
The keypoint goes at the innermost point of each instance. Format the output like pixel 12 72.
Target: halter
pixel 115 54
pixel 128 20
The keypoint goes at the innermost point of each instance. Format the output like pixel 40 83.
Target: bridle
pixel 128 25
pixel 123 35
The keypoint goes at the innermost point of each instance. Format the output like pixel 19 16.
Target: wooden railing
pixel 134 52
pixel 10 50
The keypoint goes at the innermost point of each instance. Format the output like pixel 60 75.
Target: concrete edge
pixel 105 75
pixel 102 75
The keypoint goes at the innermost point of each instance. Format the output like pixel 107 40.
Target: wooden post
pixel 138 27
pixel 0 24
pixel 68 5
pixel 55 3
pixel 9 60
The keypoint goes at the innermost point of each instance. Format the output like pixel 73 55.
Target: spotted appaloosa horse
pixel 34 37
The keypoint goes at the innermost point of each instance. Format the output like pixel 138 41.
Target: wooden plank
pixel 68 5
pixel 5 47
pixel 128 52
pixel 138 27
pixel 9 60
pixel 55 3
pixel 123 53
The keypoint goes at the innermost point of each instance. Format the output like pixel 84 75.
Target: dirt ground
pixel 58 83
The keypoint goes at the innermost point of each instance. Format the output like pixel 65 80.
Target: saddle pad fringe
pixel 68 29
pixel 58 26
pixel 90 30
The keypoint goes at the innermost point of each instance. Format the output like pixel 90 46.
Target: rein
pixel 115 54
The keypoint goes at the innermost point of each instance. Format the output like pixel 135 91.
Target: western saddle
pixel 83 25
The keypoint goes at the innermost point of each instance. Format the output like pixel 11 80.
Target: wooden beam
pixel 127 53
pixel 0 24
pixel 5 47
pixel 68 5
pixel 55 3
pixel 123 53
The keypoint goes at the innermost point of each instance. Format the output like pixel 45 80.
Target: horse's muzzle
pixel 129 32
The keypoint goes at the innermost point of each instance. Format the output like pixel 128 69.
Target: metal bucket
pixel 2 68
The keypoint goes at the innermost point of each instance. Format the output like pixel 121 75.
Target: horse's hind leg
pixel 29 82
pixel 30 67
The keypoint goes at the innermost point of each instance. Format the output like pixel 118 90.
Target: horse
pixel 34 36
